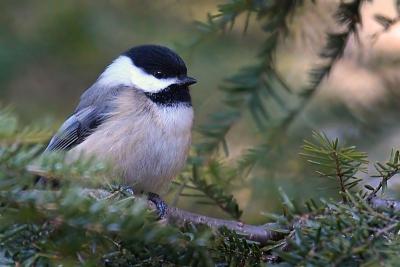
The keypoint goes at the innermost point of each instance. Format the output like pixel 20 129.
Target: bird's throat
pixel 174 95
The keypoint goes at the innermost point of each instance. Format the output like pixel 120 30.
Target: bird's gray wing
pixel 77 128
pixel 94 107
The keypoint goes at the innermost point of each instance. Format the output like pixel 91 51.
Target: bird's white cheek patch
pixel 148 82
pixel 123 72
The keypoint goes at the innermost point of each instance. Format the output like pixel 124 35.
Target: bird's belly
pixel 154 161
pixel 146 159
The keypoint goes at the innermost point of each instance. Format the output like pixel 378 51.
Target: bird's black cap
pixel 157 60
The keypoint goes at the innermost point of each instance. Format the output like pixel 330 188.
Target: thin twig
pixel 384 179
pixel 339 175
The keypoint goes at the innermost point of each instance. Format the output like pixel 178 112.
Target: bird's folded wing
pixel 76 129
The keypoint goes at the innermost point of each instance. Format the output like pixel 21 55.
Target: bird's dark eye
pixel 159 74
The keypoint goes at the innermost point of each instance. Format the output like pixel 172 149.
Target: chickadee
pixel 138 116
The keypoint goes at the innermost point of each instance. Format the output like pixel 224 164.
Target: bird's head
pixel 156 70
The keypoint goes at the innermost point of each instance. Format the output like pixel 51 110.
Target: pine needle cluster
pixel 72 226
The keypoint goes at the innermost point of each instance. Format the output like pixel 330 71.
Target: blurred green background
pixel 51 51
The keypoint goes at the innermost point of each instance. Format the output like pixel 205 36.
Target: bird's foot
pixel 161 206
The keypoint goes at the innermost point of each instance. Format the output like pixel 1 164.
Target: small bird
pixel 137 116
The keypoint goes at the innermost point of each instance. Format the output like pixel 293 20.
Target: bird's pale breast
pixel 147 144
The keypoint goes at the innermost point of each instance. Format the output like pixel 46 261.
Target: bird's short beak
pixel 187 81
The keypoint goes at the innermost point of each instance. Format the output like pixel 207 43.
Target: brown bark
pixel 175 216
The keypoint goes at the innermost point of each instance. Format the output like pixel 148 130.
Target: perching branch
pixel 179 217
pixel 258 233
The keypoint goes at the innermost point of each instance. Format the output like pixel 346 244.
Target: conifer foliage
pixel 91 221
